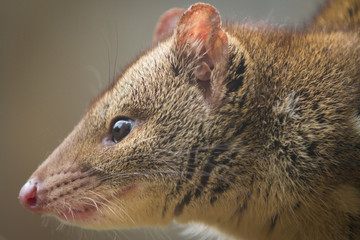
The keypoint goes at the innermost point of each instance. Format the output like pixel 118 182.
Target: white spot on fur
pixel 356 122
pixel 287 106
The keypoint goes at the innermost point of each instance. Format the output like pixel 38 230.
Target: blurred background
pixel 55 57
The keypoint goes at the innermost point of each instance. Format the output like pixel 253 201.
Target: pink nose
pixel 28 195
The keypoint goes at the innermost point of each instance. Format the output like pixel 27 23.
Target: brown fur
pixel 276 155
pixel 338 15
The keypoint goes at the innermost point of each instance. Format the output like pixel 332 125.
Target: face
pixel 143 143
pixel 126 157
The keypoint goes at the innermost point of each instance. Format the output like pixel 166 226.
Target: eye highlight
pixel 119 129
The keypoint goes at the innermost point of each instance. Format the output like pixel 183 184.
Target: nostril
pixel 28 194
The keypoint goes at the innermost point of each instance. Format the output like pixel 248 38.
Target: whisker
pixel 103 198
pixel 93 201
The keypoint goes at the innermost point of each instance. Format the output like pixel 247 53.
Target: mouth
pixel 85 206
pixel 94 208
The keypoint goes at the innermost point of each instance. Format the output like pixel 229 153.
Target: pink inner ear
pixel 199 36
pixel 166 24
pixel 197 23
pixel 201 24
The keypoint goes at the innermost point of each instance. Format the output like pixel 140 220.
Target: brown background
pixel 55 57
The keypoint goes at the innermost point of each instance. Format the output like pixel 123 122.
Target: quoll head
pixel 128 154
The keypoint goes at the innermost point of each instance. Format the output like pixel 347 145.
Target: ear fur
pixel 200 35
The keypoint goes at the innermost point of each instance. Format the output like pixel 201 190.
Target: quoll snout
pixel 29 195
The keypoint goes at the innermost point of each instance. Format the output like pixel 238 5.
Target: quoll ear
pixel 166 24
pixel 201 40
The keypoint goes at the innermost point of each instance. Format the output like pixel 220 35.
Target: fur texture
pixel 265 145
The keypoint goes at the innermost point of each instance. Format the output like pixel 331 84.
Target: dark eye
pixel 120 129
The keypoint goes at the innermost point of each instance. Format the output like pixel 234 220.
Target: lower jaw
pixel 91 214
pixel 77 217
